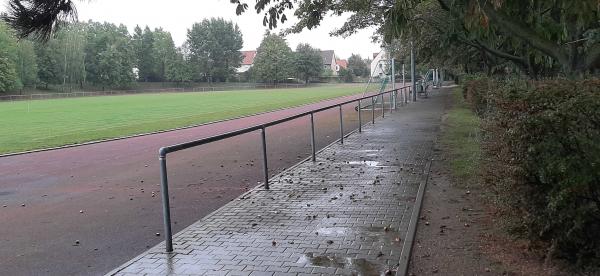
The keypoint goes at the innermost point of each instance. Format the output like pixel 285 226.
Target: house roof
pixel 327 56
pixel 248 57
pixel 342 63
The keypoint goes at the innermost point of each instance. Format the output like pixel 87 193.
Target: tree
pixel 46 64
pixel 346 75
pixel 163 51
pixel 534 34
pixel 69 54
pixel 143 47
pixel 109 54
pixel 215 46
pixel 8 75
pixel 545 37
pixel 8 55
pixel 357 66
pixel 178 69
pixel 27 68
pixel 273 61
pixel 308 62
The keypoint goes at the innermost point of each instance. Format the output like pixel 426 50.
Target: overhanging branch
pixel 520 30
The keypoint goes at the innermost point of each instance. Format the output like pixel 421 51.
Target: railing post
pixel 359 117
pixel 312 137
pixel 341 126
pixel 162 158
pixel 382 106
pixel 373 109
pixel 264 151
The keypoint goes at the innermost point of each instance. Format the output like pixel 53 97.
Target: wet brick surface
pixel 347 213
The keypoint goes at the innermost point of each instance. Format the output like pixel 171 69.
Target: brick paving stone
pixel 346 213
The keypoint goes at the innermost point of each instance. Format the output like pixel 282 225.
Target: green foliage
pixel 8 55
pixel 308 62
pixel 8 75
pixel 540 37
pixel 67 55
pixel 545 135
pixel 163 51
pixel 346 75
pixel 274 60
pixel 358 66
pixel 214 47
pixel 143 46
pixel 27 68
pixel 327 73
pixel 178 69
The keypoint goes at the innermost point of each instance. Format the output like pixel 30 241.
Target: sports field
pixel 28 125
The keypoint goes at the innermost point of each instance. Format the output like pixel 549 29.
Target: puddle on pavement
pixel 381 234
pixel 368 163
pixel 360 266
pixel 332 231
pixel 378 234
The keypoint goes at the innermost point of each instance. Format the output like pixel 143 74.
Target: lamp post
pixel 413 75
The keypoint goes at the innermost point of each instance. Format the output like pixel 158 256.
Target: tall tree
pixel 8 55
pixel 164 51
pixel 215 46
pixel 274 59
pixel 357 66
pixel 145 56
pixel 27 63
pixel 308 62
pixel 69 54
pixel 110 55
pixel 178 69
pixel 46 64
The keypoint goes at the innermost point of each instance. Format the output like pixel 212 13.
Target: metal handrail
pixel 163 151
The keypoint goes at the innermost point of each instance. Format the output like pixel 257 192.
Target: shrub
pixel 475 92
pixel 546 135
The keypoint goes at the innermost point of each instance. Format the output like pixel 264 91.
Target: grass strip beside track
pixel 29 125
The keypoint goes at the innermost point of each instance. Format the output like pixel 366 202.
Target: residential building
pixel 379 65
pixel 247 61
pixel 329 61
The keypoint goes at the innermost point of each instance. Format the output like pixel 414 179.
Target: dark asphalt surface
pixel 85 210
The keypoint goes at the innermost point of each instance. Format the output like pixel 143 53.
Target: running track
pixel 101 194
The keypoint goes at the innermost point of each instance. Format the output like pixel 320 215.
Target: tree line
pixel 105 55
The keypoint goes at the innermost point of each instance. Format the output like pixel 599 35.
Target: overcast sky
pixel 176 16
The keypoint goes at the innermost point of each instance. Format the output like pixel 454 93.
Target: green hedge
pixel 544 145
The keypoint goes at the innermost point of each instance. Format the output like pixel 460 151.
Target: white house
pixel 379 65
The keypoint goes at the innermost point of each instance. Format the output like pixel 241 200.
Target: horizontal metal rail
pixel 162 153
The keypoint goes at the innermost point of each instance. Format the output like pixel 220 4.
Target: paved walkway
pixel 348 213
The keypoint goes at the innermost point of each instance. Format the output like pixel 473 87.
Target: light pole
pixel 413 75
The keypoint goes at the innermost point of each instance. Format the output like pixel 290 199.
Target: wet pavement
pixel 347 213
pixel 106 195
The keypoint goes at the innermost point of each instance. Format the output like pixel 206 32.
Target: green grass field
pixel 29 125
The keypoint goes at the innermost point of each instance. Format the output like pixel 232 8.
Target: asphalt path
pixel 85 210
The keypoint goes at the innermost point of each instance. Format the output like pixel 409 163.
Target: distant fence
pixel 45 96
